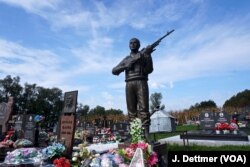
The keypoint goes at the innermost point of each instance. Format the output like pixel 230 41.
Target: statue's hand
pixel 149 49
pixel 130 62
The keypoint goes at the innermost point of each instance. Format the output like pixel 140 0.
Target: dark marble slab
pixel 211 135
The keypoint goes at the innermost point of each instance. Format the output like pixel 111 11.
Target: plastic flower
pixel 218 126
pixel 233 126
pixel 225 126
pixel 150 157
pixel 61 162
pixel 38 118
pixel 136 130
pixel 153 159
pixel 143 146
pixel 56 149
pixel 129 152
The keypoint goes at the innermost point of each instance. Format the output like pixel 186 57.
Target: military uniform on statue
pixel 137 66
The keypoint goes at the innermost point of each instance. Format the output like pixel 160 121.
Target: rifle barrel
pixel 166 34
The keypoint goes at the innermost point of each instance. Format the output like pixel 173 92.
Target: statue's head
pixel 134 44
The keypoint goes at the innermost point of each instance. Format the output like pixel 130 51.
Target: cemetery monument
pixel 137 66
pixel 68 121
pixel 5 114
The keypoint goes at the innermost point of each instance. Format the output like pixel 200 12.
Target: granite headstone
pixel 67 131
pixel 222 117
pixel 19 123
pixel 29 127
pixel 207 120
pixel 121 128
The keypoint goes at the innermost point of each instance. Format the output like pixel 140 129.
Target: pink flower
pixel 129 152
pixel 26 152
pixel 133 146
pixel 143 146
pixel 153 159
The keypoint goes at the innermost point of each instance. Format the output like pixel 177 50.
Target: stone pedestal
pixel 161 150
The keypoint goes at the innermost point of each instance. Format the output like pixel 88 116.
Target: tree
pixel 49 103
pixel 155 100
pixel 10 87
pixel 98 111
pixel 32 99
pixel 204 105
pixel 114 112
pixel 240 100
pixel 28 99
pixel 83 110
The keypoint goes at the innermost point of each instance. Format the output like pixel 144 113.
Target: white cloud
pixel 32 65
pixel 212 51
pixel 94 15
pixel 33 6
pixel 94 57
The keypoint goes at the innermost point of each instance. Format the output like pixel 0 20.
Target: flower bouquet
pixel 23 156
pixel 8 139
pixel 53 151
pixel 225 127
pixel 234 128
pixel 136 130
pixel 217 128
pixel 149 156
pixel 81 155
pixel 19 143
pixel 61 162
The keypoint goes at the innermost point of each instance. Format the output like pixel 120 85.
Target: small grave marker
pixel 223 117
pixel 29 127
pixel 207 120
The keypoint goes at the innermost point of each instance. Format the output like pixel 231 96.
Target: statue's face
pixel 134 44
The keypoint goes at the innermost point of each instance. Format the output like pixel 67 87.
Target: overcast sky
pixel 73 45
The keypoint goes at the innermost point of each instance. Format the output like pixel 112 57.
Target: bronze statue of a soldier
pixel 137 66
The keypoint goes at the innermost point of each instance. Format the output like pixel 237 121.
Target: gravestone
pixel 207 120
pixel 67 131
pixel 19 123
pixel 222 117
pixel 110 124
pixel 5 113
pixel 90 127
pixel 98 123
pixel 79 123
pixel 29 127
pixel 68 121
pixel 122 128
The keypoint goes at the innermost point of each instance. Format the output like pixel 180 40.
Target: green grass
pixel 180 129
pixel 187 127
